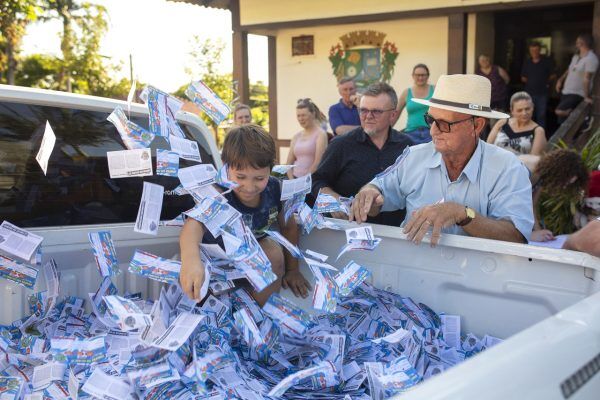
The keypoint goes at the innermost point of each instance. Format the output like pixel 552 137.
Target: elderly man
pixel 343 115
pixel 457 183
pixel 355 158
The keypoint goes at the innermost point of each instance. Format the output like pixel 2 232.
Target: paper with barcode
pixel 360 233
pixel 176 334
pixel 291 187
pixel 129 163
pixel 132 135
pixel 187 149
pixel 451 329
pixel 148 216
pixel 197 176
pixel 167 162
pixel 18 241
pixel 155 267
pixel 162 109
pixel 104 386
pixel 126 313
pixel 351 277
pixel 45 151
pixel 45 374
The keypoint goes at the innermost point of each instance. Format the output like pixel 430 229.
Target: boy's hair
pixel 248 146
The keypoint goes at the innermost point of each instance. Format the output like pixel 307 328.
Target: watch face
pixel 470 212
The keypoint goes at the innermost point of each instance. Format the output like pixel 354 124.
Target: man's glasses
pixel 364 112
pixel 443 126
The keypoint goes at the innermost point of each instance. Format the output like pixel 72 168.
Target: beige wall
pixel 418 40
pixel 267 11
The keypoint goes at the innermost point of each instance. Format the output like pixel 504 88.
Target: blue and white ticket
pixel 155 267
pixel 279 238
pixel 104 253
pixel 74 350
pixel 187 149
pixel 167 162
pixel 162 109
pixel 197 176
pixel 325 292
pixel 126 313
pixel 223 180
pixel 133 135
pixel 18 272
pixel 321 376
pixel 10 388
pixel 288 315
pixel 146 378
pixel 148 217
pixel 351 277
pixel 208 101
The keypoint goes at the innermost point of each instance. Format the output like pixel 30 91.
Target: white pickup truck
pixel 545 302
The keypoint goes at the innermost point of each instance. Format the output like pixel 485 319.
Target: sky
pixel 159 35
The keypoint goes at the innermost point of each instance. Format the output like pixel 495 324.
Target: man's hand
pixel 588 99
pixel 296 282
pixel 436 216
pixel 191 278
pixel 558 86
pixel 367 203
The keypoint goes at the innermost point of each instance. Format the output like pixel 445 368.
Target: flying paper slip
pixel 197 176
pixel 292 187
pixel 18 241
pixel 162 109
pixel 154 267
pixel 18 272
pixel 187 149
pixel 126 313
pixel 167 163
pixel 208 101
pixel 45 151
pixel 129 163
pixel 148 217
pixel 103 386
pixel 132 135
pixel 104 253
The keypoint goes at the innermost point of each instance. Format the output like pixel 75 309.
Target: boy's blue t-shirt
pixel 260 218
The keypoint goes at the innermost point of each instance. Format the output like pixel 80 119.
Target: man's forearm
pixel 343 129
pixel 488 228
pixel 330 191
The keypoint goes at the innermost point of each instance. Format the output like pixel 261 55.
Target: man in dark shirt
pixel 343 115
pixel 352 160
pixel 536 74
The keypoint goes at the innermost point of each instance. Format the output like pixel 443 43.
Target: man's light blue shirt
pixel 495 183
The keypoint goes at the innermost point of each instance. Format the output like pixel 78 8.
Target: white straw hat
pixel 467 94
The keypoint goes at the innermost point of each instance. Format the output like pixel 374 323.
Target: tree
pixel 14 17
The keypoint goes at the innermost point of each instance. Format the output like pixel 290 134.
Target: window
pixel 77 189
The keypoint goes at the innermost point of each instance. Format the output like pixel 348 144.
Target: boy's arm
pixel 293 278
pixel 191 276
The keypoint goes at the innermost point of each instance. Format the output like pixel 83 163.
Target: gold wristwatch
pixel 469 218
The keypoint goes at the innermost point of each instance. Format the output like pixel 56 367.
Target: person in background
pixel 242 114
pixel 308 145
pixel 355 158
pixel 537 73
pixel 249 152
pixel 499 79
pixel 559 171
pixel 519 133
pixel 343 115
pixel 416 128
pixel 575 84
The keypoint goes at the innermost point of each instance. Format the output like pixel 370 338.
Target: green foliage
pixel 14 17
pixel 558 209
pixel 39 71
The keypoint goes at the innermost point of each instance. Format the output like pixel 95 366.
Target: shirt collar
pixel 471 170
pixel 344 104
pixel 393 136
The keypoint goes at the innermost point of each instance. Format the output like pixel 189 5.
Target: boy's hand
pixel 296 282
pixel 191 279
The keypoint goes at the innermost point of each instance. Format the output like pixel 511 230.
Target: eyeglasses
pixel 443 126
pixel 420 75
pixel 364 112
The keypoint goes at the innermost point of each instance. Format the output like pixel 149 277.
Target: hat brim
pixel 477 113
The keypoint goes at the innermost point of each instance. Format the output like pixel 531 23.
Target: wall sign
pixel 364 56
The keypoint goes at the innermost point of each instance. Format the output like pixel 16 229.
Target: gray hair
pixel 518 96
pixel 345 80
pixel 375 89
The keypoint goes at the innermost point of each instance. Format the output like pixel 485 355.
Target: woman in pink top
pixel 309 144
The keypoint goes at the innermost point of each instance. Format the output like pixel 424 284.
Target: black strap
pixel 467 106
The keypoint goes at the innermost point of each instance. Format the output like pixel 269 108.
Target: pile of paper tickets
pixel 359 342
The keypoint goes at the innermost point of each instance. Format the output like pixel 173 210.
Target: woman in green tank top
pixel 416 128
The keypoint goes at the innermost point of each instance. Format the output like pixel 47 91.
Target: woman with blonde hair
pixel 519 134
pixel 308 145
pixel 242 114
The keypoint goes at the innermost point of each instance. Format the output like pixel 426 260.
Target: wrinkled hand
pixel 541 235
pixel 436 216
pixel 191 279
pixel 365 199
pixel 296 282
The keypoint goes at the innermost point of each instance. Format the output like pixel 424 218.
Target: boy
pixel 249 153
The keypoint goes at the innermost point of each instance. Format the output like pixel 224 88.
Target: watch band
pixel 470 215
